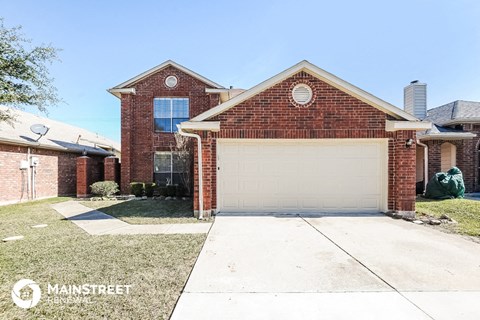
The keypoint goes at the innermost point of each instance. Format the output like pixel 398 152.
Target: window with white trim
pixel 168 112
pixel 168 168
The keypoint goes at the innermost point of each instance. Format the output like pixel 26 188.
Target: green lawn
pixel 465 212
pixel 147 211
pixel 156 266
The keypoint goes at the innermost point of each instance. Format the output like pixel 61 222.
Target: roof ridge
pixel 314 71
pixel 162 66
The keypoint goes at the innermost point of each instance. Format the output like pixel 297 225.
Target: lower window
pixel 168 168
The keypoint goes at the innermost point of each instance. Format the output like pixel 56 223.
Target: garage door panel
pixel 370 203
pixel 302 175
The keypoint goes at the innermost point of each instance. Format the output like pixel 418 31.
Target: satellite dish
pixel 39 129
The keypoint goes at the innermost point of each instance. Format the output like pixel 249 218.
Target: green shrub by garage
pixel 149 188
pixel 137 189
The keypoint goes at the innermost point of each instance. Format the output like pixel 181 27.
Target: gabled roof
pixel 320 74
pixel 126 85
pixel 455 112
pixel 60 136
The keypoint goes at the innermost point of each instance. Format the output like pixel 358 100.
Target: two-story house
pixel 303 140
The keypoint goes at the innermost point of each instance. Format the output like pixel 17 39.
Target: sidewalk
pixel 98 223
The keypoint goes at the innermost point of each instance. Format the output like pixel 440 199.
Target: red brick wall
pixel 139 140
pixel 467 157
pixel 55 174
pixel 112 169
pixel 90 169
pixel 334 114
pixel 84 178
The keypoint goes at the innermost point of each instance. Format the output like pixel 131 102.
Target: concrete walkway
pixel 331 267
pixel 95 222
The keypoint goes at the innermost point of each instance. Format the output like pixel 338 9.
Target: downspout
pixel 425 164
pixel 28 175
pixel 200 166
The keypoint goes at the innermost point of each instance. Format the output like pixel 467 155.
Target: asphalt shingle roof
pixel 454 112
pixel 61 136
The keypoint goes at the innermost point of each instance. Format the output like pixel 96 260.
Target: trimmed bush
pixel 137 188
pixel 104 188
pixel 161 190
pixel 171 190
pixel 180 191
pixel 149 188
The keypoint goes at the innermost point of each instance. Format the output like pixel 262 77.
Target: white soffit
pixel 201 126
pixel 407 125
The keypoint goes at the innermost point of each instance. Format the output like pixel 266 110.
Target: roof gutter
pixel 446 136
pixel 47 147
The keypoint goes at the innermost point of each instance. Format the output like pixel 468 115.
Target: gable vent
pixel 171 81
pixel 302 94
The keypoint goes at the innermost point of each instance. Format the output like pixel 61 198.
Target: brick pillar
pixel 127 127
pixel 209 167
pixel 434 154
pixel 405 173
pixel 111 172
pixel 84 176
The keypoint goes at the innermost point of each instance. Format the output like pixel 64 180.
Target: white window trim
pixel 172 130
pixel 171 172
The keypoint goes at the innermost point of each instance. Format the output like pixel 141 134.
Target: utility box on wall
pixel 24 165
pixel 34 161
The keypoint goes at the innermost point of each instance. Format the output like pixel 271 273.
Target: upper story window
pixel 168 112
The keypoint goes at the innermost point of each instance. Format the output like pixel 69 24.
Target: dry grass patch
pixel 156 266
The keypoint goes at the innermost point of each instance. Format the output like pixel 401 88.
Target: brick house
pixel 35 167
pixel 301 141
pixel 453 140
pixel 152 104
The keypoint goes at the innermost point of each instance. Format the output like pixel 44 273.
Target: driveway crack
pixel 363 265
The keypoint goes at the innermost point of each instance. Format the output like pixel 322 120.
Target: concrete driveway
pixel 327 267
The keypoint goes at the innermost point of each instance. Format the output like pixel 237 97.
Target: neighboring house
pixel 453 140
pixel 34 166
pixel 301 141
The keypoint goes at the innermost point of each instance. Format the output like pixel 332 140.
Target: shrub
pixel 180 191
pixel 104 188
pixel 136 188
pixel 161 190
pixel 171 190
pixel 149 188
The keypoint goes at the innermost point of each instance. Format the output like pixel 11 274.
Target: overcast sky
pixel 379 46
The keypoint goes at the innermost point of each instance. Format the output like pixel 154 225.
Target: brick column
pixel 84 178
pixel 434 155
pixel 111 172
pixel 405 173
pixel 209 167
pixel 127 127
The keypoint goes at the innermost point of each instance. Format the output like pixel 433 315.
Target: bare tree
pixel 184 152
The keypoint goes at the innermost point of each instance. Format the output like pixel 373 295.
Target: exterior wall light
pixel 409 143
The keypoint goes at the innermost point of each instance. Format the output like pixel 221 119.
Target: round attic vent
pixel 302 94
pixel 171 81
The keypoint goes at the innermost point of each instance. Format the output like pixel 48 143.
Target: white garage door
pixel 326 175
